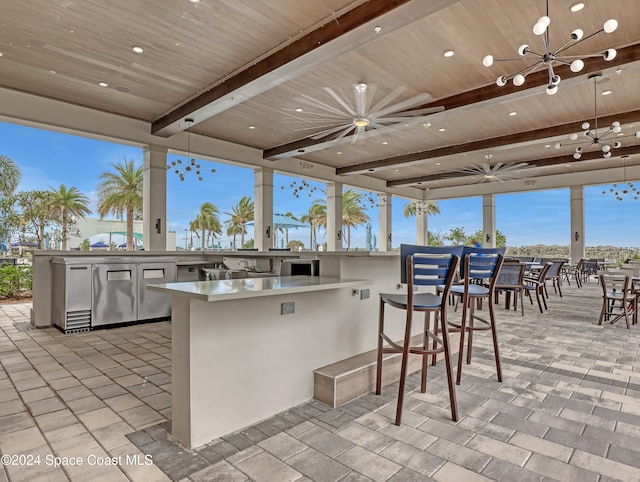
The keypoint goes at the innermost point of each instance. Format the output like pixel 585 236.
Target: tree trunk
pixel 130 245
pixel 64 229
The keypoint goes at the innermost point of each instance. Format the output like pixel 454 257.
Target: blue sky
pixel 48 159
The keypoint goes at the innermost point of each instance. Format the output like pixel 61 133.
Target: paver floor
pixel 97 406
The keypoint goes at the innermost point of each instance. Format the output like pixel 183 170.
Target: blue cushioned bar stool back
pixel 420 266
pixel 481 267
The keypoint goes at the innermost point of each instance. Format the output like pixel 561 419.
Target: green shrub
pixel 14 280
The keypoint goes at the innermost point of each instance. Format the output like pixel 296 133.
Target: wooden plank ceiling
pixel 240 69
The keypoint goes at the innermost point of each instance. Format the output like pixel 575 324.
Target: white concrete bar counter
pixel 238 360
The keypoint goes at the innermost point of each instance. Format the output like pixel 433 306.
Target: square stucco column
pixel 154 198
pixel 334 216
pixel 263 208
pixel 384 222
pixel 488 221
pixel 422 224
pixel 577 223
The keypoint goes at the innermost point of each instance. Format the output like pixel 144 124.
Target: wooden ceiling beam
pixel 507 140
pixel 336 37
pixel 489 94
pixel 550 161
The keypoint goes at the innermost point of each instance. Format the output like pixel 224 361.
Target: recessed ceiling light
pixel 299 109
pixel 385 142
pixel 606 92
pixel 576 7
pixel 103 84
pixel 137 49
pixel 442 129
pixel 448 53
pixel 512 113
pixel 252 127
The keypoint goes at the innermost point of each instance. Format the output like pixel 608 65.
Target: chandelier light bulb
pixel 577 65
pixel 542 24
pixel 518 80
pixel 487 61
pixel 610 25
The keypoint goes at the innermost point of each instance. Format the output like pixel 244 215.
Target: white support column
pixel 577 223
pixel 263 208
pixel 154 198
pixel 334 216
pixel 384 222
pixel 422 224
pixel 488 221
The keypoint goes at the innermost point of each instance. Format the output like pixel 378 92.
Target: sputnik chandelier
pixel 592 135
pixel 190 165
pixel 548 58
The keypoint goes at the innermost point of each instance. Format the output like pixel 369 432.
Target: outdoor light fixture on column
pixel 548 57
pixel 190 165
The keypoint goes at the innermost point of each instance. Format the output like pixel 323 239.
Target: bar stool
pixel 481 267
pixel 421 266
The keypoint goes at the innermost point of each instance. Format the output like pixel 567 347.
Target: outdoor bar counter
pixel 239 355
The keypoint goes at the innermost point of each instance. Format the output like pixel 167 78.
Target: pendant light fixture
pixel 550 57
pixel 190 166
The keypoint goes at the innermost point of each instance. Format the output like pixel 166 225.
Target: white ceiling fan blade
pixel 420 112
pixel 347 106
pixel 310 101
pixel 333 130
pixel 405 104
pixel 395 93
pixel 358 131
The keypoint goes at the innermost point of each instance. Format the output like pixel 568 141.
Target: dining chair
pixel 481 269
pixel 554 275
pixel 618 298
pixel 420 266
pixel 510 282
pixel 536 284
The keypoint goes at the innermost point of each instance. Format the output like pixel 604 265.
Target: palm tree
pixel 208 221
pixel 233 229
pixel 241 214
pixel 65 203
pixel 10 176
pixel 353 213
pixel 120 193
pixel 315 217
pixel 431 208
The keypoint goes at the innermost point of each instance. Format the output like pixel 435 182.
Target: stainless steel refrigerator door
pixel 114 294
pixel 152 304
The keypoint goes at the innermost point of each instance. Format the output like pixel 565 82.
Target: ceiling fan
pixel 341 117
pixel 499 172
